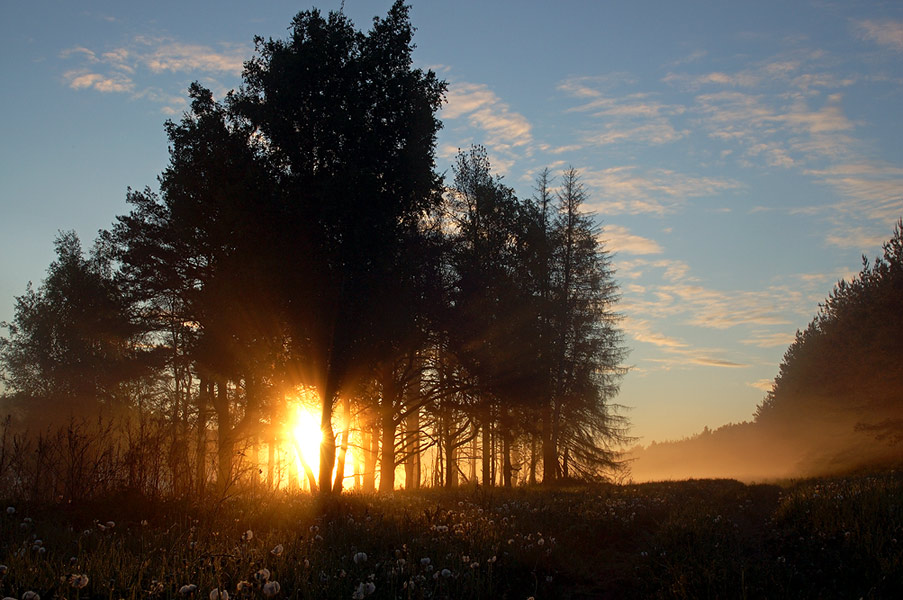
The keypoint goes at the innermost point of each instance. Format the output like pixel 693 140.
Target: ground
pixel 818 538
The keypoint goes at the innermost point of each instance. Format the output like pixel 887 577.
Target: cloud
pixel 79 80
pixel 619 239
pixel 484 110
pixel 622 190
pixel 859 238
pixel 769 339
pixel 716 362
pixel 635 118
pixel 884 33
pixel 641 331
pixel 130 68
pixel 764 385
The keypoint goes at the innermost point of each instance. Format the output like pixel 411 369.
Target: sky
pixel 741 158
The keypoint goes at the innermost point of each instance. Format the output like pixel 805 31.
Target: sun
pixel 306 437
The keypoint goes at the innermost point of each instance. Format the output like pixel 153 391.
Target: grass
pixel 825 538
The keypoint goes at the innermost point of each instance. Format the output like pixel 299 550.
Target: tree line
pixel 302 244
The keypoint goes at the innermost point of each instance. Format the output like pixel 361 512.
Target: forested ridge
pixel 302 253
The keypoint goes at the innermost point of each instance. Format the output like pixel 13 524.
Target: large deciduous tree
pixel 350 127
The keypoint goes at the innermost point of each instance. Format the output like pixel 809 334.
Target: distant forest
pixel 836 404
pixel 302 262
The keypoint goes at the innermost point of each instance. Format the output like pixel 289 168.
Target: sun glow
pixel 306 438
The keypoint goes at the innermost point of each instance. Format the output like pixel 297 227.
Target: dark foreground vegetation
pixel 820 538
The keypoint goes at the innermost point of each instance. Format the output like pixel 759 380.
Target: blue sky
pixel 741 157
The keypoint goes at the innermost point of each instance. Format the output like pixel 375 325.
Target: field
pixel 825 538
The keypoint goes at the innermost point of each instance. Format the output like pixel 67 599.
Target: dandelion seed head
pixel 262 575
pixel 360 558
pixel 10 510
pixel 186 590
pixel 277 550
pixel 217 594
pixel 271 588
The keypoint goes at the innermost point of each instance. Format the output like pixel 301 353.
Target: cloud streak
pixel 129 69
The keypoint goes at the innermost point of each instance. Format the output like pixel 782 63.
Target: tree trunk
pixel 487 450
pixel 533 459
pixel 371 455
pixel 451 455
pixel 225 440
pixel 412 451
pixel 343 449
pixel 506 452
pixel 327 444
pixel 549 451
pixel 200 451
pixel 387 458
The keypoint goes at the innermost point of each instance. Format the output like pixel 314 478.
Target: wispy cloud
pixel 131 69
pixel 626 190
pixel 887 33
pixel 761 384
pixel 619 239
pixel 769 339
pixel 634 118
pixel 117 82
pixel 504 129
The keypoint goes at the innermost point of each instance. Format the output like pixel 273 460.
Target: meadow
pixel 816 538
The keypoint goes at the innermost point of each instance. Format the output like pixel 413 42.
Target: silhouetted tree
pixel 350 127
pixel 72 344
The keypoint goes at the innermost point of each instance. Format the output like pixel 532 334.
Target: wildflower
pixel 216 594
pixel 247 536
pixel 78 581
pixel 278 550
pixel 360 557
pixel 271 588
pixel 262 575
pixel 185 590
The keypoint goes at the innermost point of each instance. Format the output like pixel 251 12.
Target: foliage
pixel 72 343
